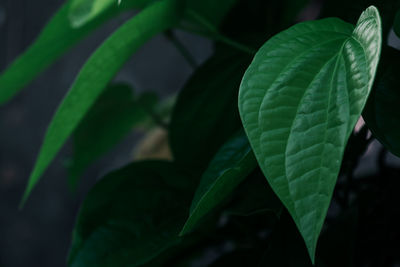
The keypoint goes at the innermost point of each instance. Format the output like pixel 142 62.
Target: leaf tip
pixel 185 229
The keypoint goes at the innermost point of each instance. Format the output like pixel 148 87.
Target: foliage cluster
pixel 261 134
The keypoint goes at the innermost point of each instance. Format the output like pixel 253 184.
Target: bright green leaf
pixel 84 11
pixel 381 112
pixel 110 119
pixel 299 102
pixel 55 39
pixel 229 167
pixel 206 113
pixel 98 71
pixel 131 216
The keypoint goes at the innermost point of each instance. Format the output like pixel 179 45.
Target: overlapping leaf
pixel 229 167
pixel 299 101
pixel 206 113
pixel 97 73
pixel 131 216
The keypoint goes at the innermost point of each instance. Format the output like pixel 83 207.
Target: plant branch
pixel 213 33
pixel 181 48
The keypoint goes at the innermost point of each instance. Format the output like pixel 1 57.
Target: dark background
pixel 40 234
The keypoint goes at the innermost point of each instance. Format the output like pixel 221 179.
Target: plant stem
pixel 213 33
pixel 181 48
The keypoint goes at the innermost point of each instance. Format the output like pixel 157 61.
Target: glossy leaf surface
pixel 229 167
pixel 299 102
pixel 206 109
pixel 382 110
pixel 114 115
pixel 98 71
pixel 131 216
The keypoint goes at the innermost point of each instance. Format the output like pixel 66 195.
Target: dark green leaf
pixel 110 119
pixel 206 113
pixel 381 112
pixel 299 102
pixel 131 216
pixel 96 74
pixel 55 39
pixel 229 167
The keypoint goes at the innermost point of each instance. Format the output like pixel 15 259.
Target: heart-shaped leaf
pixel 299 102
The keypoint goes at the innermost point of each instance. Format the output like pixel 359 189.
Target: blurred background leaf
pixel 114 115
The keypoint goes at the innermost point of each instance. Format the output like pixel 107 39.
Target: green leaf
pixel 381 112
pixel 84 11
pixel 131 216
pixel 54 40
pixel 98 71
pixel 299 102
pixel 114 115
pixel 206 113
pixel 229 167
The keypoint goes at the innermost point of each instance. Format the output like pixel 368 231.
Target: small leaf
pixel 84 11
pixel 98 71
pixel 206 113
pixel 112 117
pixel 131 216
pixel 299 102
pixel 381 112
pixel 229 167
